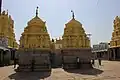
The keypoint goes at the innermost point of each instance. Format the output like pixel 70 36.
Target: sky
pixel 96 16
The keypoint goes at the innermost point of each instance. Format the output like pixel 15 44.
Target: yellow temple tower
pixel 35 35
pixel 7 31
pixel 35 45
pixel 74 35
pixel 75 46
pixel 115 40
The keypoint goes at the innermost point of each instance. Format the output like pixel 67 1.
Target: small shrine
pixel 35 45
pixel 75 45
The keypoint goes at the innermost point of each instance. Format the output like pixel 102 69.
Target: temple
pixel 75 45
pixel 35 45
pixel 35 35
pixel 43 53
pixel 7 30
pixel 8 44
pixel 115 40
pixel 74 35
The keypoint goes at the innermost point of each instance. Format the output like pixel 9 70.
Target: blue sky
pixel 97 18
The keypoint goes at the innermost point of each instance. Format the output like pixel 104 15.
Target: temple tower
pixel 35 44
pixel 7 31
pixel 75 45
pixel 35 35
pixel 115 40
pixel 74 35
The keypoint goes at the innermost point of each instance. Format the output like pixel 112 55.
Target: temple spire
pixel 73 15
pixel 37 12
pixel 7 11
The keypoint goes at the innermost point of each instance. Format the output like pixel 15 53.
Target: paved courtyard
pixel 108 71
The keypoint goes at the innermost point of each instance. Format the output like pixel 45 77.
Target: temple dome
pixel 35 35
pixel 36 21
pixel 73 22
pixel 74 36
pixel 73 27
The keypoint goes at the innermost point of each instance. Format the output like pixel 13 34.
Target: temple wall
pixel 41 60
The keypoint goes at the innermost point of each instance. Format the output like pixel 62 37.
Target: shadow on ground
pixel 92 71
pixel 29 75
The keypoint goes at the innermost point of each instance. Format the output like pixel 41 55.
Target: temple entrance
pixel 4 57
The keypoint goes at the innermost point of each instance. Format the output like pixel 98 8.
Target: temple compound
pixel 7 38
pixel 76 50
pixel 34 51
pixel 115 41
pixel 37 52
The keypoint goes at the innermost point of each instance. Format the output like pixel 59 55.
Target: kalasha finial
pixel 73 16
pixel 7 11
pixel 37 11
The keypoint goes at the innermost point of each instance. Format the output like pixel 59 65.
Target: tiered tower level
pixel 74 35
pixel 115 40
pixel 7 30
pixel 35 35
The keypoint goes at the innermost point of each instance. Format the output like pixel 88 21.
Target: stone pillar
pixel 1 56
pixel 104 55
pixel 118 51
pixel 96 55
pixel 114 55
pixel 108 54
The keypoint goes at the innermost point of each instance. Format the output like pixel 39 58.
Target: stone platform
pixel 76 58
pixel 36 60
